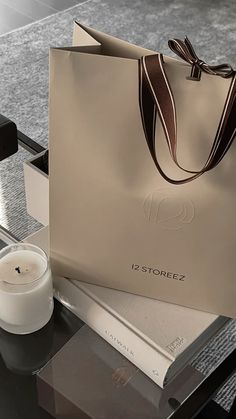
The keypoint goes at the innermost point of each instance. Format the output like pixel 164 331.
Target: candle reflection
pixel 26 354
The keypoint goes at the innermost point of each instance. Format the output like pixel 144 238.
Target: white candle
pixel 26 294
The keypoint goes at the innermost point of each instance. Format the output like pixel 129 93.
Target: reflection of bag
pixel 114 218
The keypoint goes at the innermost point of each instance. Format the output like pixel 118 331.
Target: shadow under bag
pixel 142 171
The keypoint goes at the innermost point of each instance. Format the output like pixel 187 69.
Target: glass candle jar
pixel 26 292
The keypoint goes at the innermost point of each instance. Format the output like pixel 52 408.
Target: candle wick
pixel 17 269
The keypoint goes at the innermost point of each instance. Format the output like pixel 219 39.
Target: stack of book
pixel 158 337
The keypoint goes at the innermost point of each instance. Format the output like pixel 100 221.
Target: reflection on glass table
pixel 22 356
pixel 88 378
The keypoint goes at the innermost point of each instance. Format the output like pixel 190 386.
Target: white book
pixel 158 337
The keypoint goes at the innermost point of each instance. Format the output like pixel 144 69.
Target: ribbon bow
pixel 184 50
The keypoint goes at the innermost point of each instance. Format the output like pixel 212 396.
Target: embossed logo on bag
pixel 168 209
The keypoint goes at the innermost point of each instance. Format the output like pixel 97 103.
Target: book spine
pixel 151 362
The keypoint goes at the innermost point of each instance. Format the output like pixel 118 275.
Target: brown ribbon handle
pixel 155 95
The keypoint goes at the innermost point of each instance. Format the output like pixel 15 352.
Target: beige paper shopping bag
pixel 122 129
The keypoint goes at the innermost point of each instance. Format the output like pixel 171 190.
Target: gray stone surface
pixel 210 24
